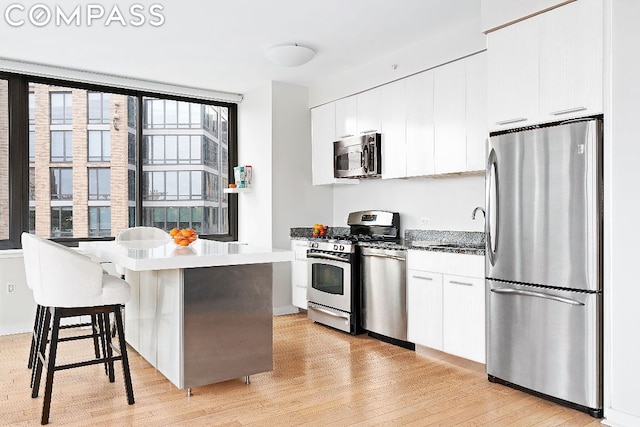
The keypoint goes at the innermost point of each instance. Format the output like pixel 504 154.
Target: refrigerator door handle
pixel 537 295
pixel 492 189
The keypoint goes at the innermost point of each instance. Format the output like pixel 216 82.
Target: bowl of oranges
pixel 184 236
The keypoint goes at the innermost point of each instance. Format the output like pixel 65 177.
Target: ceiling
pixel 220 45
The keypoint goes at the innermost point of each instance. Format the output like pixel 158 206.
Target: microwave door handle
pixel 365 158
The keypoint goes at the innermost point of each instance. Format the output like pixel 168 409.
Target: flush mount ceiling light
pixel 290 55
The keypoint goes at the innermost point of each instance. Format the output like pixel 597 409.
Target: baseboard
pixel 615 418
pixel 16 328
pixel 450 358
pixel 287 309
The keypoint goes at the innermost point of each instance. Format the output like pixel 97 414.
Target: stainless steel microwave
pixel 358 157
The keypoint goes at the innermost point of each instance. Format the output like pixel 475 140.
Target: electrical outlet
pixel 11 288
pixel 424 221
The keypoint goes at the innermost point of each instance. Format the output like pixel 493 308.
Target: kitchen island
pixel 199 314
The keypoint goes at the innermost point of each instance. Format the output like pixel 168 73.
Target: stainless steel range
pixel 334 292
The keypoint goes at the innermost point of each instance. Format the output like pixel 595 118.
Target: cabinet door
pixel 424 308
pixel 419 127
pixel 345 125
pixel 394 153
pixel 513 74
pixel 449 118
pixel 571 60
pixel 464 317
pixel 323 125
pixel 299 274
pixel 476 114
pixel 369 117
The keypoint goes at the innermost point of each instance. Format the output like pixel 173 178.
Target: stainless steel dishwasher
pixel 383 303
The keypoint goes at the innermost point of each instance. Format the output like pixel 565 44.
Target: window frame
pixel 18 88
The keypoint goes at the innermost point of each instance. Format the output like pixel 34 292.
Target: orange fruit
pixel 178 238
pixel 184 242
pixel 192 238
pixel 173 232
pixel 186 232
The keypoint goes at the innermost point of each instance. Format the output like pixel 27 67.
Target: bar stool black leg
pixel 34 339
pixel 51 366
pixel 107 339
pixel 123 352
pixel 43 337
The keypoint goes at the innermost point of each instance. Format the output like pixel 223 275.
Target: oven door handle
pixel 326 256
pixel 329 313
pixel 394 257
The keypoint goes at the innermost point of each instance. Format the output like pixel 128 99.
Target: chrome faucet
pixel 475 211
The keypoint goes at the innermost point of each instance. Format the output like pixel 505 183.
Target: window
pixel 32 146
pixel 32 108
pixel 4 159
pixel 61 146
pixel 99 221
pixel 32 183
pixel 61 108
pixel 62 221
pixel 99 183
pixel 169 114
pixel 61 183
pixel 99 145
pixel 83 170
pixel 97 108
pixel 176 149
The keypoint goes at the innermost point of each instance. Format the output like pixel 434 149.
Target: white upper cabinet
pixel 548 67
pixel 345 118
pixel 513 75
pixel 419 124
pixel 323 125
pixel 449 118
pixel 571 58
pixel 476 113
pixel 393 128
pixel 369 113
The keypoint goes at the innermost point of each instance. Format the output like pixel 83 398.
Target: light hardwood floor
pixel 321 377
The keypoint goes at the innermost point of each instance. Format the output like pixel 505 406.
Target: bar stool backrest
pixel 63 277
pixel 143 237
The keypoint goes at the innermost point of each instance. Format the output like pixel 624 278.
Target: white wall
pixel 274 137
pixel 446 202
pixel 18 308
pixel 622 175
pixel 462 39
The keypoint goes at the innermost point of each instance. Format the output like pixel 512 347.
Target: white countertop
pixel 168 255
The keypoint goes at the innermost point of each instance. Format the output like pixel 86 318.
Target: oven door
pixel 329 280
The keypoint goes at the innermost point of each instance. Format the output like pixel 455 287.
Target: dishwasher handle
pixel 393 257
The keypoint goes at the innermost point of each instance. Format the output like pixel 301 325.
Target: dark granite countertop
pixel 460 242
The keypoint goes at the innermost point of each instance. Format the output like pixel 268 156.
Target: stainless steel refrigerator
pixel 544 261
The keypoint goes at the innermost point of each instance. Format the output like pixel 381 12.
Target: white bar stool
pixel 68 284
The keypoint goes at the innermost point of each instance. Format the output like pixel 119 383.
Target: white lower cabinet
pixel 424 308
pixel 299 273
pixel 446 302
pixel 463 324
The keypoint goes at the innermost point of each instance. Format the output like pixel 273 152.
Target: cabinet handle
pixel 455 282
pixel 422 277
pixel 367 131
pixel 345 136
pixel 568 110
pixel 506 122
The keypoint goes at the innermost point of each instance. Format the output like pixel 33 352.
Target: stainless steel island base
pixel 203 325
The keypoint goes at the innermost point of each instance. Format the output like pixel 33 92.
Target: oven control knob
pixel 335 247
pixel 342 247
pixel 314 244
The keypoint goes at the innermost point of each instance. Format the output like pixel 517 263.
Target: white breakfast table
pixel 199 314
